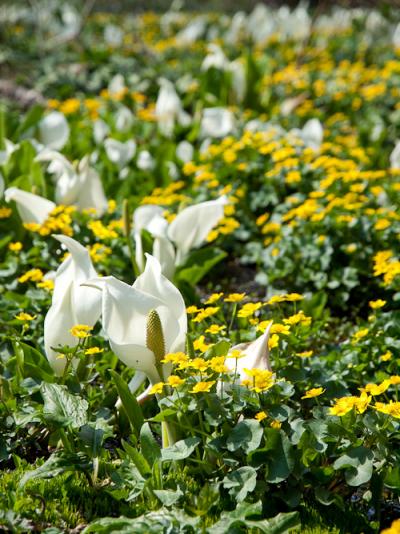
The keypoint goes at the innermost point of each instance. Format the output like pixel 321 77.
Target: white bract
pixel 54 130
pixel 72 303
pixel 169 108
pixel 118 152
pixel 395 157
pixel 31 208
pixel 127 312
pixel 173 242
pixel 216 122
pixel 255 355
pixel 81 187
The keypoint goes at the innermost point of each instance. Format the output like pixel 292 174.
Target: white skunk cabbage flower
pixel 113 35
pixel 9 148
pixel 54 130
pixel 216 122
pixel 396 37
pixel 144 321
pixel 145 161
pixel 313 134
pixel 184 151
pixel 173 242
pixel 72 303
pixel 31 208
pixel 395 157
pixel 118 152
pixel 169 108
pixel 215 58
pixel 255 355
pixel 81 187
pixel 123 119
pixel 100 130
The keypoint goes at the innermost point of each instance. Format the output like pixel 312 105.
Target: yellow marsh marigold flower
pixel 305 354
pixel 377 389
pixel 157 388
pixel 217 364
pixel 48 285
pixel 249 309
pixel 201 345
pixel 298 318
pixel 93 350
pixel 235 297
pixel 260 416
pixel 213 298
pixel 81 330
pixel 393 529
pixel 5 213
pixel 34 275
pixel 314 392
pixel 202 387
pixel 192 309
pixel 215 329
pixel 363 332
pixel 175 381
pixel 376 304
pixel 25 317
pixel 391 408
pixel 345 404
pixel 386 357
pixel 15 247
pixel 236 353
pixel 395 380
pixel 175 358
pixel 200 364
pixel 273 341
pixel 204 314
pixel 276 424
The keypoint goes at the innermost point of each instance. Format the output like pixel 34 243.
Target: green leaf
pixel 277 455
pixel 138 459
pixel 58 463
pixel 150 448
pixel 31 119
pixel 168 497
pixel 63 407
pixel 181 449
pixel 241 482
pixel 246 435
pixel 129 402
pixel 198 265
pixel 358 463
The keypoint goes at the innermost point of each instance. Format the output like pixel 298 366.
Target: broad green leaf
pixel 358 463
pixel 241 482
pixel 58 463
pixel 181 449
pixel 168 497
pixel 150 448
pixel 138 459
pixel 198 265
pixel 61 406
pixel 246 435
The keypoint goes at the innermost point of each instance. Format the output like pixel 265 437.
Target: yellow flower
pixel 201 345
pixel 34 275
pixel 376 304
pixel 260 416
pixel 175 381
pixel 298 318
pixel 276 424
pixel 5 213
pixel 93 350
pixel 213 298
pixel 200 364
pixel 157 388
pixel 15 247
pixel 236 353
pixel 192 309
pixel 81 330
pixel 393 529
pixel 217 364
pixel 235 297
pixel 215 329
pixel 201 387
pixel 25 317
pixel 273 341
pixel 176 358
pixel 387 356
pixel 48 285
pixel 204 314
pixel 305 354
pixel 249 309
pixel 377 389
pixel 314 392
pixel 360 334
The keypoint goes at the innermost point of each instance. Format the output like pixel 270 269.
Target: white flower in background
pixel 31 208
pixel 294 24
pixel 145 321
pixel 123 119
pixel 81 187
pixel 184 151
pixel 118 152
pixel 173 242
pixel 216 122
pixel 54 130
pixel 116 84
pixel 260 23
pixel 237 28
pixel 169 108
pixel 396 37
pixel 72 303
pixel 395 157
pixel 215 58
pixel 255 355
pixel 113 35
pixel 312 133
pixel 145 161
pixel 193 31
pixel 1 185
pixel 5 153
pixel 239 79
pixel 100 130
